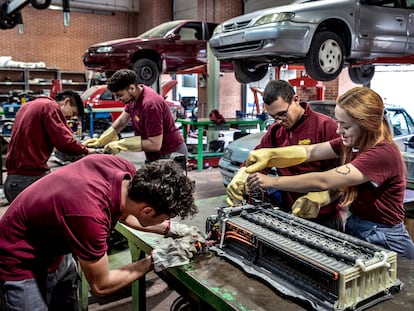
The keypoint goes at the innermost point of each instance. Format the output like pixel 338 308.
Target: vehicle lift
pixel 10 12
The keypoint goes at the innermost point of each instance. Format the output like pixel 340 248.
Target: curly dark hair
pixel 164 185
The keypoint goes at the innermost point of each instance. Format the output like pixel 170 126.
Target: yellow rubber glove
pixel 308 206
pixel 126 144
pixel 109 135
pixel 237 187
pixel 280 157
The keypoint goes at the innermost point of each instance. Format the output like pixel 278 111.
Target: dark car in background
pixel 169 47
pixel 402 126
pixel 324 35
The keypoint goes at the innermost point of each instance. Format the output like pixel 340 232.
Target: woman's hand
pixel 261 181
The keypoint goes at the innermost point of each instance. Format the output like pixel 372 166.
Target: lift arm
pixel 10 11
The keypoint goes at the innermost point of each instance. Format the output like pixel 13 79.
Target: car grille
pixel 245 46
pixel 235 26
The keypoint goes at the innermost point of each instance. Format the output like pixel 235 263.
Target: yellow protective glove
pixel 237 187
pixel 126 144
pixel 308 206
pixel 280 157
pixel 109 135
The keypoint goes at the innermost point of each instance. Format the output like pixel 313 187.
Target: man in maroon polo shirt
pixel 39 127
pixel 73 211
pixel 295 124
pixel 153 123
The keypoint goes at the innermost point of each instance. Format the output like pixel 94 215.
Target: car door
pixel 189 48
pixel 410 32
pixel 383 27
pixel 402 126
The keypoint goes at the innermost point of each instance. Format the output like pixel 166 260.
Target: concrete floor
pixel 209 194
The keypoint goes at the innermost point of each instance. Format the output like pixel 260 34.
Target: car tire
pixel 146 70
pixel 246 74
pixel 361 75
pixel 325 58
pixel 40 5
pixel 180 304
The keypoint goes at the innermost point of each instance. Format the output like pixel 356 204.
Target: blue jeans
pixel 57 292
pixel 395 238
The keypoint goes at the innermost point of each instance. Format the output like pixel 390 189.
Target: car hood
pixel 241 147
pixel 133 40
pixel 167 86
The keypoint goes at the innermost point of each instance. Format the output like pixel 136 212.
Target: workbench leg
pixel 139 302
pixel 83 291
pixel 185 132
pixel 200 163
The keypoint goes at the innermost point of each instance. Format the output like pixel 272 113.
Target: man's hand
pixel 176 230
pixel 173 253
pixel 237 187
pixel 109 135
pixel 126 144
pixel 280 157
pixel 308 206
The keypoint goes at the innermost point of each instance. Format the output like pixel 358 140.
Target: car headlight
pixel 105 49
pixel 227 154
pixel 273 18
pixel 218 29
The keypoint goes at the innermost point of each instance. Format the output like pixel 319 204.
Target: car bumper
pixel 227 170
pixel 105 61
pixel 289 39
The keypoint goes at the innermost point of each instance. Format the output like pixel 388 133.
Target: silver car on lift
pixel 324 35
pixel 402 126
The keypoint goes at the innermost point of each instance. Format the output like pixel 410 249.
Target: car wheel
pixel 40 5
pixel 362 75
pixel 246 74
pixel 325 58
pixel 180 304
pixel 146 70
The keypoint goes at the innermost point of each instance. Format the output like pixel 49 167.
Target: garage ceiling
pixel 105 5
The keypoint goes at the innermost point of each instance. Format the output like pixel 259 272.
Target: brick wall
pixel 219 11
pixel 46 39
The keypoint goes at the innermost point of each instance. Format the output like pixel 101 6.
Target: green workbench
pixel 212 283
pixel 242 124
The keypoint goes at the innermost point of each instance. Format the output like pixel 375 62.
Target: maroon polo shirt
pixel 151 116
pixel 71 210
pixel 39 127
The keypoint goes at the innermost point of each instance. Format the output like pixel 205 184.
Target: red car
pixel 99 97
pixel 169 47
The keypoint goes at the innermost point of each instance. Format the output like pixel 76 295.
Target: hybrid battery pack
pixel 317 267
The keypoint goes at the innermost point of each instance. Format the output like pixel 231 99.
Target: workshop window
pixel 190 80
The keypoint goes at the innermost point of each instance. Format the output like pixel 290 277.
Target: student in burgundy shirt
pixel 72 211
pixel 296 123
pixel 39 127
pixel 371 177
pixel 153 123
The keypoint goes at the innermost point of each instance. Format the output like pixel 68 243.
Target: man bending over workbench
pixel 72 211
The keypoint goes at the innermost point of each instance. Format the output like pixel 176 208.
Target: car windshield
pixel 159 31
pixel 85 95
